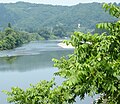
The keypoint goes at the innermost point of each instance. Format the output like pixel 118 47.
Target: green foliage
pixel 93 68
pixel 32 17
pixel 10 38
pixel 52 33
pixel 113 10
pixel 59 31
pixel 44 33
pixel 9 25
pixel 36 94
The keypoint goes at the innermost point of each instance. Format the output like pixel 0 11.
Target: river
pixel 30 63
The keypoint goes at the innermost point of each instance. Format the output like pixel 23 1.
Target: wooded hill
pixel 33 17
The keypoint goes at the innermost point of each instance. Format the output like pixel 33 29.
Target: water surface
pixel 29 64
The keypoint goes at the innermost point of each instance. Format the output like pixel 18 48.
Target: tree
pixel 93 68
pixel 9 25
pixel 44 33
pixel 8 31
pixel 59 31
pixel 10 38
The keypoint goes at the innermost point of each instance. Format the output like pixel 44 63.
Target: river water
pixel 30 63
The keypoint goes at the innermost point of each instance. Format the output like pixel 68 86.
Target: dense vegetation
pixel 35 17
pixel 10 38
pixel 93 68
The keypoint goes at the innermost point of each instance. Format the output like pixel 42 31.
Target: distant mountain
pixel 32 17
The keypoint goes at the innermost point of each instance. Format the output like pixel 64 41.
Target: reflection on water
pixel 32 56
pixel 32 48
pixel 30 62
pixel 9 60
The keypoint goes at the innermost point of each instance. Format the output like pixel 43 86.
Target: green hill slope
pixel 32 17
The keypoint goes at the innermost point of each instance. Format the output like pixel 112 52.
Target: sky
pixel 59 2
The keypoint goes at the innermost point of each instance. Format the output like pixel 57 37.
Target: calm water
pixel 30 64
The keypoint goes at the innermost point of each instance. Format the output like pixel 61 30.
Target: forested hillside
pixel 10 38
pixel 34 17
pixel 92 69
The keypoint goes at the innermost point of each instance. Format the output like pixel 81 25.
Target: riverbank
pixel 63 45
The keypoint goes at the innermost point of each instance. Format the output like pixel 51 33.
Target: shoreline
pixel 63 45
